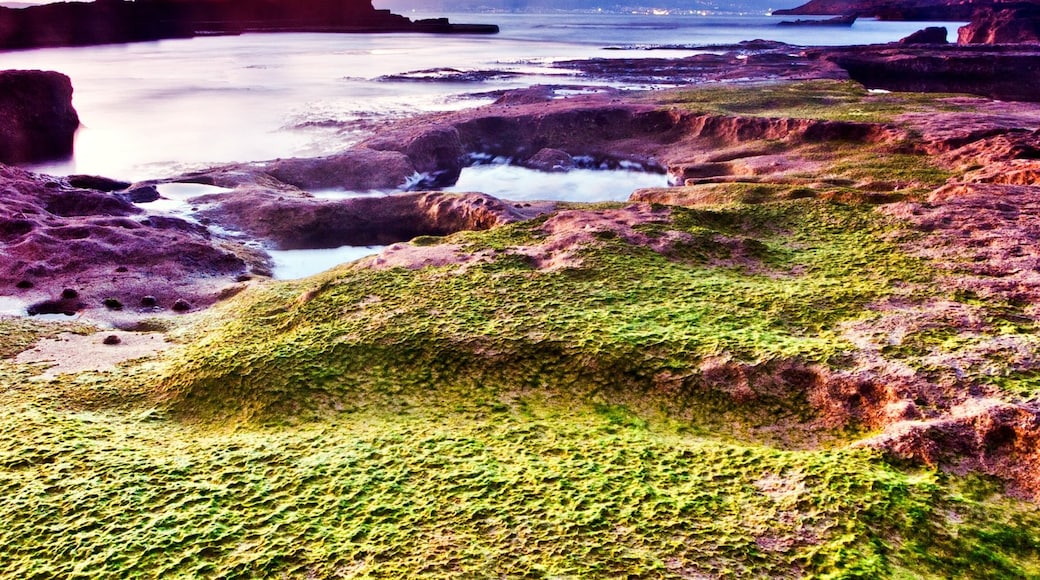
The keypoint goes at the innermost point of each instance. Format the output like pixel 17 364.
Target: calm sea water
pixel 155 109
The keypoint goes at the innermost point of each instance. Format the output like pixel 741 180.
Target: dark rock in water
pixel 449 75
pixel 1014 24
pixel 437 153
pixel 358 169
pixel 37 120
pixel 842 20
pixel 97 182
pixel 143 194
pixel 292 223
pixel 930 35
pixel 64 306
pixel 551 160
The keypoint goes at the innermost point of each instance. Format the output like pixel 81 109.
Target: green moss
pixel 599 420
pixel 816 99
pixel 364 335
pixel 506 421
pixel 530 488
pixel 857 163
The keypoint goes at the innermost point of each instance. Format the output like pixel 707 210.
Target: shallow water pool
pixel 293 264
pixel 581 185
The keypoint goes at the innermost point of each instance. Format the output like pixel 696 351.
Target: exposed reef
pixel 1007 72
pixel 68 249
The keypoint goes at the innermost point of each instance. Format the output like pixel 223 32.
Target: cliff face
pixel 1015 24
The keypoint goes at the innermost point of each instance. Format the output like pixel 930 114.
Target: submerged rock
pixel 551 160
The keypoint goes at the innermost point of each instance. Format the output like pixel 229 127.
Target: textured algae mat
pixel 502 421
pixel 612 391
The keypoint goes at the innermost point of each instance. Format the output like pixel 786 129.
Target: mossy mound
pixel 549 412
pixel 637 391
pixel 622 317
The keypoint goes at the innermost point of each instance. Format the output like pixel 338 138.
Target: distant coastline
pixel 121 21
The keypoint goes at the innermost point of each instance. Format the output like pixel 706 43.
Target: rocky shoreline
pixel 833 268
pixel 268 202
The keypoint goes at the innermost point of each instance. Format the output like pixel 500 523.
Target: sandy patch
pixel 75 353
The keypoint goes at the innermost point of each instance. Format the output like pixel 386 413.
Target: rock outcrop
pixel 119 21
pixel 930 35
pixel 1006 72
pixel 1016 24
pixel 923 10
pixel 297 222
pixel 37 120
pixel 65 249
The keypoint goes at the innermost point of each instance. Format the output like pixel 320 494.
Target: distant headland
pixel 120 21
pixel 923 10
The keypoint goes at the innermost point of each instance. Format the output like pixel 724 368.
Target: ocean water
pixel 580 185
pixel 151 110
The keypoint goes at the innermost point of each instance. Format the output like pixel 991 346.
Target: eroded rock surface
pixel 296 222
pixel 67 249
pixel 1005 72
pixel 1003 24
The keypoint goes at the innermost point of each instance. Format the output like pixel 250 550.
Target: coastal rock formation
pixel 67 249
pixel 924 10
pixel 1015 24
pixel 929 35
pixel 119 21
pixel 1006 72
pixel 754 374
pixel 37 120
pixel 297 222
